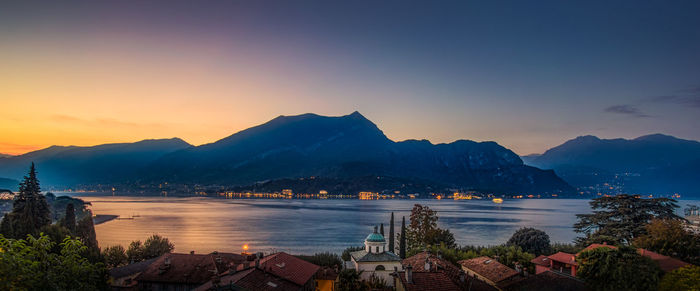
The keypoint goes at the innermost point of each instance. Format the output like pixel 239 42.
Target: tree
pixel 326 259
pixel 135 252
pixel 381 229
pixel 115 256
pixel 402 240
pixel 423 231
pixel 349 280
pixel 623 217
pixel 670 237
pixel 509 256
pixel 685 278
pixel 391 233
pixel 617 269
pixel 30 211
pixel 86 231
pixel 69 220
pixel 155 246
pixel 29 264
pixel 530 240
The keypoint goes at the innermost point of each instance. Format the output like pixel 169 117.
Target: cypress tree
pixel 86 231
pixel 381 228
pixel 402 243
pixel 30 211
pixel 391 233
pixel 69 220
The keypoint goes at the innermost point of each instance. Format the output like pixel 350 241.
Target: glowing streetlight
pixel 245 247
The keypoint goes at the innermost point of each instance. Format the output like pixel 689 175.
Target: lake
pixel 306 226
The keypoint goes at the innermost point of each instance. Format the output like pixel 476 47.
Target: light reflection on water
pixel 309 226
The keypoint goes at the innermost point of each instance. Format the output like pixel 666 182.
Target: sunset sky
pixel 528 75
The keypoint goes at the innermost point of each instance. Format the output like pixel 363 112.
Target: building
pixel 279 271
pixel 561 262
pixel 375 259
pixel 175 271
pixel 426 271
pixel 326 279
pixel 490 271
pixel 123 278
pixel 548 281
pixel 565 263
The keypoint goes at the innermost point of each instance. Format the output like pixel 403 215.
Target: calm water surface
pixel 308 226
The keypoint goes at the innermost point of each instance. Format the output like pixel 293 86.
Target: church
pixel 376 259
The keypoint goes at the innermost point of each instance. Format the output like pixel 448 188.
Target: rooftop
pixel 548 281
pixel 489 268
pixel 565 258
pixel 542 260
pixel 364 256
pixel 188 268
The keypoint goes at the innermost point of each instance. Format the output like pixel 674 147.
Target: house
pixel 565 263
pixel 279 271
pixel 548 281
pixel 561 262
pixel 375 259
pixel 491 271
pixel 175 271
pixel 123 278
pixel 326 279
pixel 426 271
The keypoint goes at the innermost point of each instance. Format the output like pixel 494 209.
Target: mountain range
pixel 651 164
pixel 291 147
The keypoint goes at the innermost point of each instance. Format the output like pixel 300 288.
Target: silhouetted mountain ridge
pixel 655 163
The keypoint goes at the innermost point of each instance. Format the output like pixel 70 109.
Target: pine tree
pixel 30 211
pixel 402 243
pixel 391 233
pixel 85 230
pixel 69 220
pixel 381 228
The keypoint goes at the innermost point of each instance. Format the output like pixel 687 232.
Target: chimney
pixel 191 252
pixel 427 267
pixel 462 276
pixel 257 263
pixel 167 261
pixel 409 274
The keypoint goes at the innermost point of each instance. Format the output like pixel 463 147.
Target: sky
pixel 528 75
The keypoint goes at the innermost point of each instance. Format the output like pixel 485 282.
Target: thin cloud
pixel 626 109
pixel 108 122
pixel 686 100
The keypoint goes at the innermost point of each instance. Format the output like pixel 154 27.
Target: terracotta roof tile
pixel 439 281
pixel 548 281
pixel 489 268
pixel 666 263
pixel 563 257
pixel 542 260
pixel 188 268
pixel 289 267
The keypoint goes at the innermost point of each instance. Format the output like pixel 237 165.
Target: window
pixel 377 250
pixel 379 268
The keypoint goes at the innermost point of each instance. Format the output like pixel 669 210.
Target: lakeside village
pixel 49 243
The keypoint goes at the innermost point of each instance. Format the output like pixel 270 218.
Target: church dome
pixel 375 237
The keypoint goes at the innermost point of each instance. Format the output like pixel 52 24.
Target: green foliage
pixel 531 240
pixel 617 269
pixel 423 231
pixel 349 280
pixel 402 239
pixel 85 230
pixel 29 264
pixel 670 237
pixel 115 256
pixel 391 234
pixel 155 246
pixel 346 253
pixel 685 278
pixel 326 259
pixel 376 283
pixel 135 252
pixel 622 217
pixel 68 220
pixel 56 233
pixel 452 255
pixel 30 211
pixel 509 256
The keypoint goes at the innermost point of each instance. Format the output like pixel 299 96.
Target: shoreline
pixel 102 218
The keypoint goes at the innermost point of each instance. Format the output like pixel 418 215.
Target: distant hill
pixel 654 163
pixel 337 149
pixel 347 147
pixel 72 165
